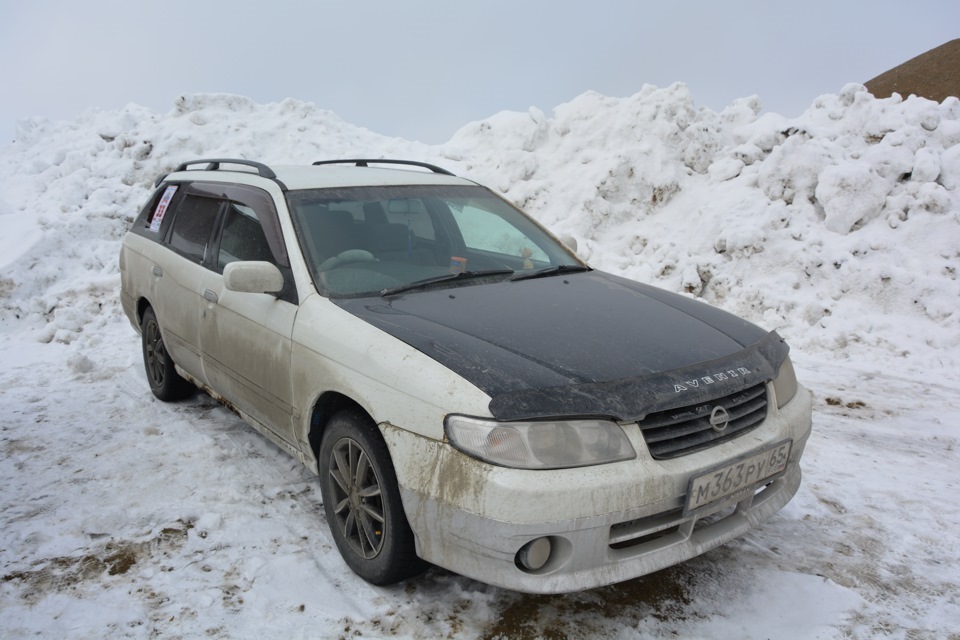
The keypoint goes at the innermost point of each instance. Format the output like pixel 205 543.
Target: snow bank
pixel 839 228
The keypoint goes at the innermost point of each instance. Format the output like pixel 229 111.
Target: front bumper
pixel 606 524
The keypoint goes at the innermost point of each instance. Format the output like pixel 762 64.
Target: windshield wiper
pixel 447 277
pixel 550 271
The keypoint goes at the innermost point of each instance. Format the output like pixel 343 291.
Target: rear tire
pixel 162 375
pixel 362 501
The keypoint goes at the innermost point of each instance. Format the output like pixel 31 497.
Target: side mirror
pixel 570 241
pixel 252 277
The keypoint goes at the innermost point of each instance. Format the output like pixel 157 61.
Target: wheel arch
pixel 142 305
pixel 328 404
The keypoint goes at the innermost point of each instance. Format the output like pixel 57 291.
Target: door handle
pixel 157 271
pixel 210 295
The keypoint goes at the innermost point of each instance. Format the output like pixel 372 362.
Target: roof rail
pixel 214 165
pixel 363 162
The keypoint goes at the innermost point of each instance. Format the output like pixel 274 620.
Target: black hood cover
pixel 580 344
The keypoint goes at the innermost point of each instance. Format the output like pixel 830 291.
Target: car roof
pixel 322 175
pixel 325 176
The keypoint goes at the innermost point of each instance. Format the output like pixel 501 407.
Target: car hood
pixel 578 344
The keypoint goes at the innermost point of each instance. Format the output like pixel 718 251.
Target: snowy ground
pixel 127 517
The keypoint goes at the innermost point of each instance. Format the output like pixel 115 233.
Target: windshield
pixel 378 240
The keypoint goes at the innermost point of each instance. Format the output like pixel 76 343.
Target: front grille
pixel 677 432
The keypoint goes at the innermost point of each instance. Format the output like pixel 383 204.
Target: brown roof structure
pixel 934 75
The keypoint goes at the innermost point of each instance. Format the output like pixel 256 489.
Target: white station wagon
pixel 471 393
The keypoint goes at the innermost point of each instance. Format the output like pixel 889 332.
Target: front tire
pixel 165 382
pixel 362 501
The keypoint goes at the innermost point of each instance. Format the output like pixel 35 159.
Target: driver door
pixel 245 338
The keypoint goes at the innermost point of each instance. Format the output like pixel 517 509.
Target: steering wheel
pixel 347 257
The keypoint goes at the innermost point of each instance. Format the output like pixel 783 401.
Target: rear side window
pixel 193 226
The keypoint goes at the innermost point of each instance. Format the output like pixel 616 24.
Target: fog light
pixel 534 554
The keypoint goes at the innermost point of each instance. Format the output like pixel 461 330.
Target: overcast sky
pixel 421 70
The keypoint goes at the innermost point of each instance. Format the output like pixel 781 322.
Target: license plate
pixel 749 471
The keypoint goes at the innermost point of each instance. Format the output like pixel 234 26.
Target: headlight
pixel 785 384
pixel 539 445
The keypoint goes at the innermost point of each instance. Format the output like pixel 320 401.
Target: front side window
pixel 243 237
pixel 370 240
pixel 193 226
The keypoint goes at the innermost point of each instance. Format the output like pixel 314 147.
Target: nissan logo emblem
pixel 719 419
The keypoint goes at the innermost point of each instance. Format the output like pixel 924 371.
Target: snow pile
pixel 75 187
pixel 838 228
pixel 126 517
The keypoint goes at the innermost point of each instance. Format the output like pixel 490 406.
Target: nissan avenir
pixel 470 392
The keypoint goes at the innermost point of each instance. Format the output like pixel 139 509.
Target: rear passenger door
pixel 178 276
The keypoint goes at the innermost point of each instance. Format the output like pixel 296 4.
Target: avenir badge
pixel 710 379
